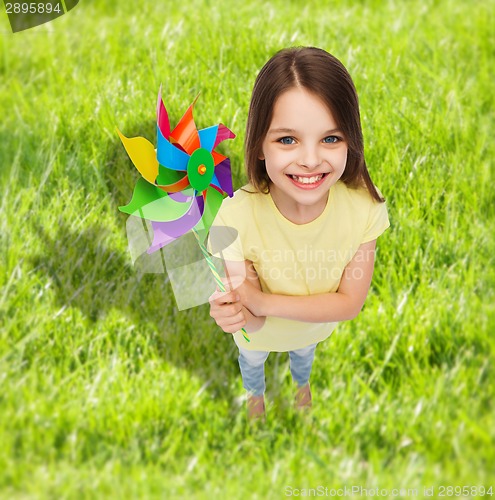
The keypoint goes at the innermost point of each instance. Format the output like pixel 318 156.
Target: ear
pixel 261 156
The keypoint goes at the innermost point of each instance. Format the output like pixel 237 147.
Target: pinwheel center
pixel 200 169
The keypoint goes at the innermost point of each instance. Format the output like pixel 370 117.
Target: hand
pixel 227 310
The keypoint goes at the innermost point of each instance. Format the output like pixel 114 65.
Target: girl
pixel 308 220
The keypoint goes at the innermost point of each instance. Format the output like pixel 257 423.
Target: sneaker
pixel 256 408
pixel 303 397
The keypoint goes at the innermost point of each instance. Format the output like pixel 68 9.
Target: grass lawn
pixel 108 391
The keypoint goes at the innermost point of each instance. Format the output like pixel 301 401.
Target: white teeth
pixel 307 180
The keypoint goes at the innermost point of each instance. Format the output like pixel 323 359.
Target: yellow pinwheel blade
pixel 142 154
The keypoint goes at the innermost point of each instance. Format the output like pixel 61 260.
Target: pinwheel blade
pixel 207 137
pixel 223 134
pixel 188 272
pixel 168 155
pixel 217 158
pixel 150 202
pixel 213 200
pixel 143 193
pixel 176 187
pixel 223 174
pixel 162 116
pixel 142 154
pixel 166 232
pixel 186 133
pixel 171 181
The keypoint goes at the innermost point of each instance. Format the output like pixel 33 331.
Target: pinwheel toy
pixel 183 183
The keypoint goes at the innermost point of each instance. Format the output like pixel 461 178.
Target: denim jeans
pixel 252 365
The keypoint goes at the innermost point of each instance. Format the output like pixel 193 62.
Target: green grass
pixel 108 391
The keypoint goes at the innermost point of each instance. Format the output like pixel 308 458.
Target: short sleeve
pixel 377 221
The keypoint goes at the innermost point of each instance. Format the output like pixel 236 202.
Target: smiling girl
pixel 307 221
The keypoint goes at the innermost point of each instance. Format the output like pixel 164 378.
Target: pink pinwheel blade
pixel 162 116
pixel 223 134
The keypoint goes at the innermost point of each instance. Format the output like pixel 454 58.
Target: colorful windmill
pixel 183 184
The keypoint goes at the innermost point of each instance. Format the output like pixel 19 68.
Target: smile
pixel 307 181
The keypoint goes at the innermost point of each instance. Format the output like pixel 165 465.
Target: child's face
pixel 304 151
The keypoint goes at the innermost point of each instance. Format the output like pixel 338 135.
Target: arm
pixel 253 323
pixel 342 305
pixel 227 309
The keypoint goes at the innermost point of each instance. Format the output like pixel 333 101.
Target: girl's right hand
pixel 227 310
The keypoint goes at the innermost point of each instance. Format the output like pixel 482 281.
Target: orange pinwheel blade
pixel 217 158
pixel 186 133
pixel 176 186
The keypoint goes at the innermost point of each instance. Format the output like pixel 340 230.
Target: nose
pixel 309 157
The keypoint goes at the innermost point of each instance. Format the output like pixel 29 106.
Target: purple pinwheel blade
pixel 166 232
pixel 183 196
pixel 223 173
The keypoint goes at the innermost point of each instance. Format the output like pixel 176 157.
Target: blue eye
pixel 286 140
pixel 331 139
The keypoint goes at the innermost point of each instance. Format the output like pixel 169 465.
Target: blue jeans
pixel 252 365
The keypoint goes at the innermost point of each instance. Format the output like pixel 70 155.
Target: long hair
pixel 323 75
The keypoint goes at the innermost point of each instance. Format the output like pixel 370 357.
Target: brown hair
pixel 325 76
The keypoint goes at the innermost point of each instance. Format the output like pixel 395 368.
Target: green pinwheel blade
pixel 152 203
pixel 212 205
